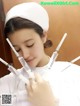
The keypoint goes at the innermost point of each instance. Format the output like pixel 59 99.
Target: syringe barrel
pixel 25 80
pixel 23 62
pixel 52 59
pixel 26 67
pixel 12 69
pixel 20 76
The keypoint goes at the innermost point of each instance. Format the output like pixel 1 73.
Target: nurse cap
pixel 31 11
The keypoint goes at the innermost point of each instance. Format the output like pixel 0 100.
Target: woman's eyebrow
pixel 27 40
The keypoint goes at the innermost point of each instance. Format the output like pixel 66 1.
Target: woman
pixel 26 26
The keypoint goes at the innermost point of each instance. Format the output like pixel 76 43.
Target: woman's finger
pixel 31 86
pixel 38 77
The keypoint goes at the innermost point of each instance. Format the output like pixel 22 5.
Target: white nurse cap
pixel 31 11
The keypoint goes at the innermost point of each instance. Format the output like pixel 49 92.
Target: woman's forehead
pixel 23 35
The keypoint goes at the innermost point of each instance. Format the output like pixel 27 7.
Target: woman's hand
pixel 40 93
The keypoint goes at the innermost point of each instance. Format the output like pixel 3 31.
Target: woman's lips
pixel 30 60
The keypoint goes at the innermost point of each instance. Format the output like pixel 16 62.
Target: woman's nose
pixel 25 53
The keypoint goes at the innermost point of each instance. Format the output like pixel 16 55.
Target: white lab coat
pixel 65 84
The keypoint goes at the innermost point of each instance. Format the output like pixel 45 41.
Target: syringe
pixel 72 61
pixel 55 54
pixel 21 60
pixel 13 70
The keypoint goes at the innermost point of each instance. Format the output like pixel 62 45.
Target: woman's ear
pixel 44 37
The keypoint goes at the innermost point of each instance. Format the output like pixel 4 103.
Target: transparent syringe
pixel 55 53
pixel 13 70
pixel 21 60
pixel 72 61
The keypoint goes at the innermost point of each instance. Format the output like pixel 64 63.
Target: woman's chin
pixel 32 65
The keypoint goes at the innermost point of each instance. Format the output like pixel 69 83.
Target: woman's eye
pixel 30 45
pixel 18 50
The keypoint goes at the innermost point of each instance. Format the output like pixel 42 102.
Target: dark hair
pixel 18 23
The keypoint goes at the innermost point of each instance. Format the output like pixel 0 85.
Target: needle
pixel 72 61
pixel 55 54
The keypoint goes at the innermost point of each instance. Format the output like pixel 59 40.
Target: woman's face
pixel 29 44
